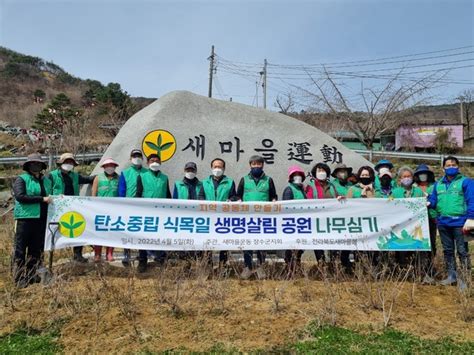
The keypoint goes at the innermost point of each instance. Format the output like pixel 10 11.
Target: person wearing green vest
pixel 31 192
pixel 152 184
pixel 218 187
pixel 424 179
pixel 453 200
pixel 256 186
pixel 406 189
pixel 65 181
pixel 384 163
pixel 341 174
pixel 106 185
pixel 188 189
pixel 319 187
pixel 364 188
pixel 294 191
pixel 127 186
pixel 384 188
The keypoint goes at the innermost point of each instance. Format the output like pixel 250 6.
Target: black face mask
pixel 385 181
pixel 365 180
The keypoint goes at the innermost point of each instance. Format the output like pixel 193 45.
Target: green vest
pixel 33 188
pixel 223 189
pixel 256 192
pixel 297 193
pixel 58 182
pixel 107 187
pixel 356 191
pixel 183 192
pixel 377 184
pixel 400 192
pixel 131 174
pixel 341 190
pixel 154 186
pixel 380 194
pixel 451 202
pixel 332 189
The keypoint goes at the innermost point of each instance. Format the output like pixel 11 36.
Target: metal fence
pixel 371 154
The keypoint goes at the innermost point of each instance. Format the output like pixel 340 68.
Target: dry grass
pixel 103 308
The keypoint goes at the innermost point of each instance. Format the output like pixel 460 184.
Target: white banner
pixel 163 224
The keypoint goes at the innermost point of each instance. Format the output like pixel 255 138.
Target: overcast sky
pixel 153 47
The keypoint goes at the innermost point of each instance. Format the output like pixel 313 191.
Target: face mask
pixel 321 175
pixel 256 171
pixel 451 171
pixel 67 167
pixel 217 172
pixel 297 180
pixel 365 180
pixel 190 175
pixel 385 180
pixel 423 177
pixel 137 161
pixel 36 168
pixel 342 176
pixel 406 182
pixel 110 170
pixel 155 166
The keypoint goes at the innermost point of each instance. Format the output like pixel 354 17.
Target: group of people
pixel 450 200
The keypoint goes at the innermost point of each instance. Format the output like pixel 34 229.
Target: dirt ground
pixel 106 308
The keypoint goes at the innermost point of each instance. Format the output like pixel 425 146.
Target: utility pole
pixel 256 93
pixel 211 71
pixel 264 84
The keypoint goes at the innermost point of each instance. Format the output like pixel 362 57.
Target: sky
pixel 154 47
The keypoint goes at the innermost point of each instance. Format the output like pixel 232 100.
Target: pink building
pixel 423 136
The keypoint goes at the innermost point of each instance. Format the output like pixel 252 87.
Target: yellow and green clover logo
pixel 159 142
pixel 72 224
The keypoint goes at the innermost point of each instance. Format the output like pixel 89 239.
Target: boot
pixel 97 253
pixel 78 255
pixel 110 254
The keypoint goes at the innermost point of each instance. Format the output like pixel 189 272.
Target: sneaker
pixel 448 281
pixel 261 274
pixel 142 266
pixel 246 273
pixel 21 283
pixel 428 280
pixel 462 286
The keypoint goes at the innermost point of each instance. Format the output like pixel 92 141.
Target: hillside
pixel 30 85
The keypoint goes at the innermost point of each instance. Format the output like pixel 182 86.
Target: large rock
pixel 200 129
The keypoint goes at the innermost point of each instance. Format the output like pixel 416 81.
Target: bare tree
pixel 285 103
pixel 382 109
pixel 466 99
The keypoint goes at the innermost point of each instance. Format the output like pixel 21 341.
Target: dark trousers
pixel 77 251
pixel 159 256
pixel 293 256
pixel 248 258
pixel 28 247
pixel 452 240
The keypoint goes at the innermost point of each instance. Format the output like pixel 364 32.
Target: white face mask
pixel 321 175
pixel 217 172
pixel 110 170
pixel 297 179
pixel 155 166
pixel 137 161
pixel 190 175
pixel 67 167
pixel 423 177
